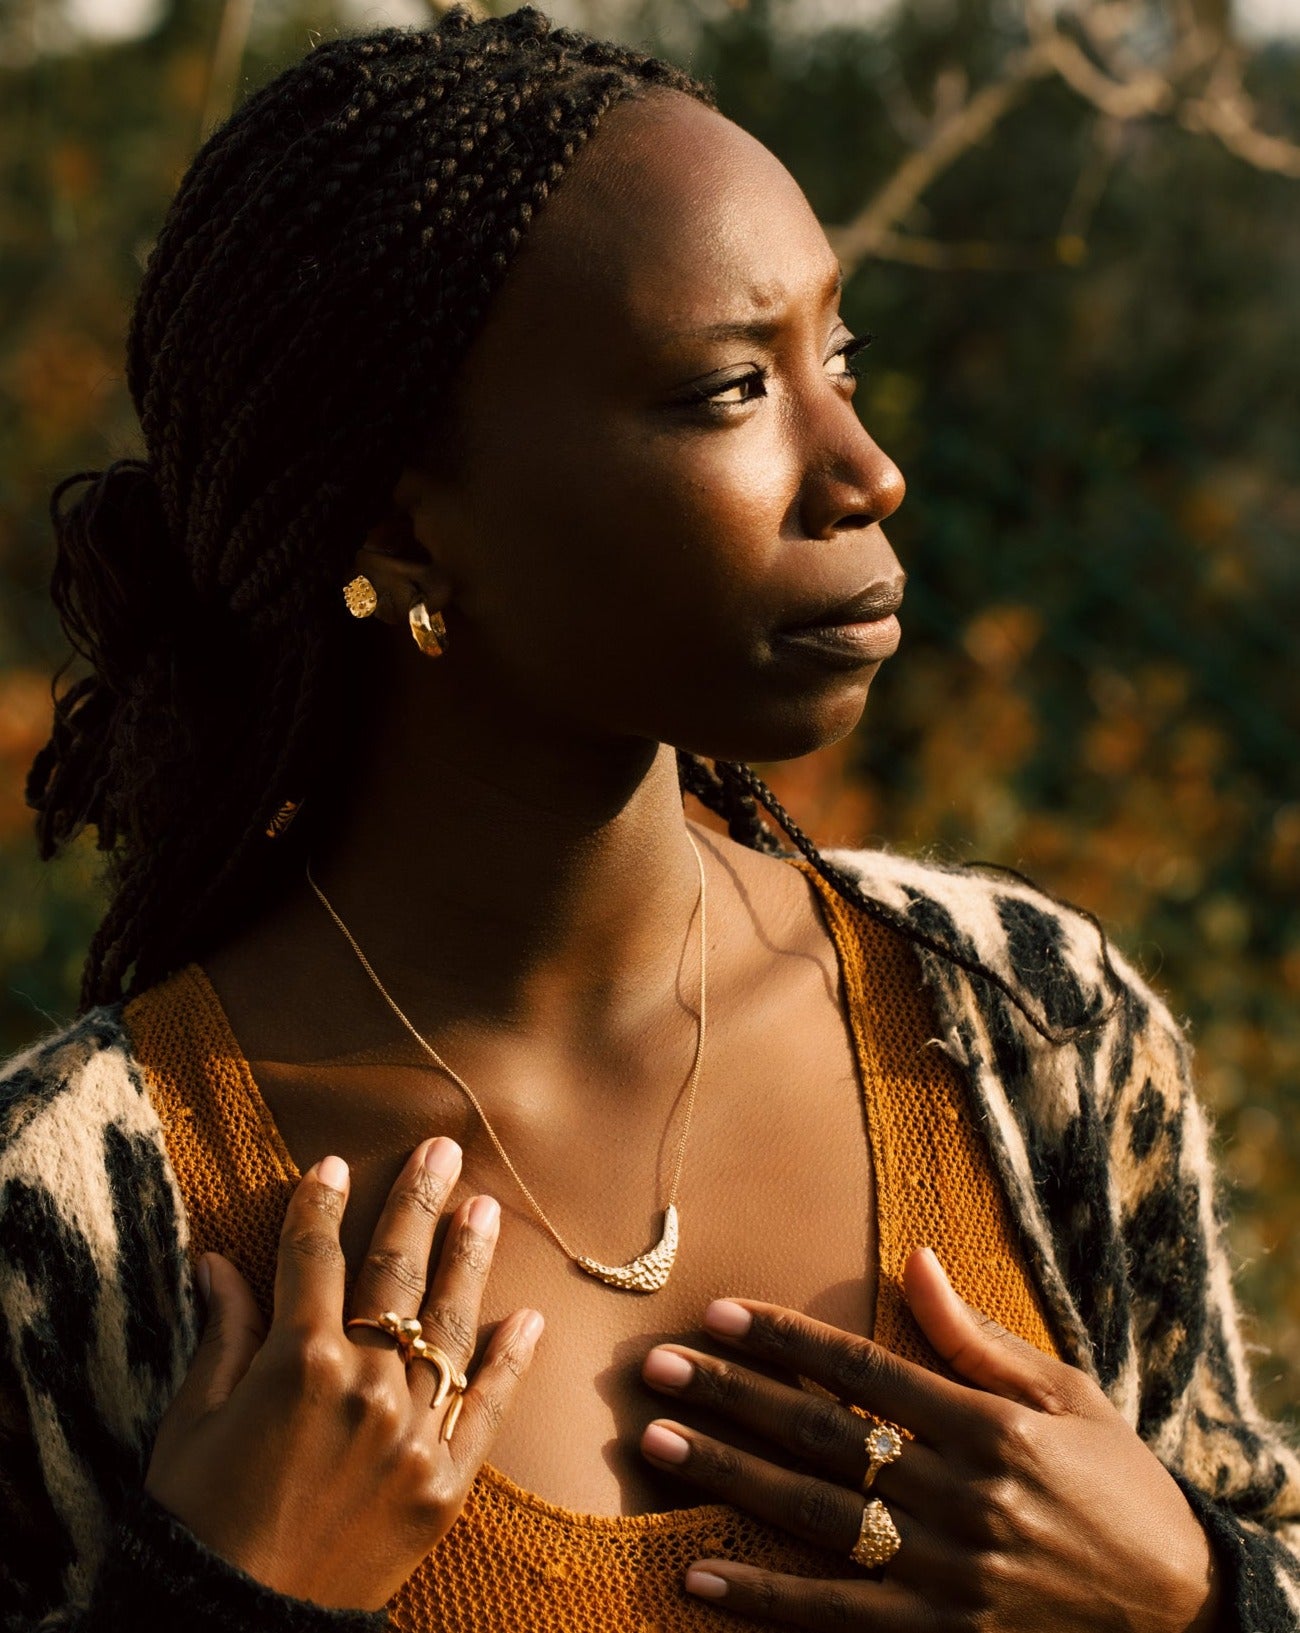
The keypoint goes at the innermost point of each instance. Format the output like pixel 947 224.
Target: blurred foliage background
pixel 1076 238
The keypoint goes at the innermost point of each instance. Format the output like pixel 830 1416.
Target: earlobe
pixel 401 569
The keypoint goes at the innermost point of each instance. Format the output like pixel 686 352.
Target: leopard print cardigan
pixel 1100 1144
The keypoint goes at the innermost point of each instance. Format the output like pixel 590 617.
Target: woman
pixel 504 340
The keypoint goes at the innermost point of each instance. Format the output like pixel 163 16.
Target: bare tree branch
pixel 1122 89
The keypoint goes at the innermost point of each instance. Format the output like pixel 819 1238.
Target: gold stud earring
pixel 429 630
pixel 361 596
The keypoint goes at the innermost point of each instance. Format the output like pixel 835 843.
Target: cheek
pixel 618 541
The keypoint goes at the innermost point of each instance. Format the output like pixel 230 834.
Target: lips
pixel 877 602
pixel 850 634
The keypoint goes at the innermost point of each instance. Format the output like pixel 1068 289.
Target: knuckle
pixel 426 1194
pixel 718 1384
pixel 316 1199
pixel 780 1331
pixel 470 1253
pixel 491 1411
pixel 720 1462
pixel 515 1357
pixel 393 1266
pixel 311 1245
pixel 372 1401
pixel 996 1512
pixel 813 1507
pixel 450 1326
pixel 838 1606
pixel 858 1368
pixel 1018 1439
pixel 764 1593
pixel 309 1361
pixel 818 1427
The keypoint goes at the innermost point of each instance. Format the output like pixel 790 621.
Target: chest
pixel 775 1202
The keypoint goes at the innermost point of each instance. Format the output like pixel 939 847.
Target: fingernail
pixel 204 1278
pixel 728 1318
pixel 484 1215
pixel 530 1328
pixel 933 1257
pixel 665 1445
pixel 442 1159
pixel 333 1171
pixel 665 1367
pixel 705 1584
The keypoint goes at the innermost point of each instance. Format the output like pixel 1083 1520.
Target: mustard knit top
pixel 512 1560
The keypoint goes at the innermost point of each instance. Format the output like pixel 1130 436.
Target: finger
pixel 450 1315
pixel 233 1332
pixel 975 1346
pixel 807 1425
pixel 493 1387
pixel 801 1601
pixel 933 1408
pixel 309 1264
pixel 816 1510
pixel 395 1270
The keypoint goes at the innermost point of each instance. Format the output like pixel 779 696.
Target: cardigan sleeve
pixel 155 1575
pixel 1193 1398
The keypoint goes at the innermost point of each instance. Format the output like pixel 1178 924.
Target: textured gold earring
pixel 360 596
pixel 429 630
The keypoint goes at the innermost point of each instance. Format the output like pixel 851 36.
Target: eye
pixel 844 356
pixel 734 393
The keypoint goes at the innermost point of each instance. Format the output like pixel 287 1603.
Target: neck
pixel 517 871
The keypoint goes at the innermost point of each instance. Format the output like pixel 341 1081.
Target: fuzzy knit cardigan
pixel 1099 1143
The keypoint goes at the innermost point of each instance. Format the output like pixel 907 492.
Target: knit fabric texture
pixel 514 1560
pixel 1103 1189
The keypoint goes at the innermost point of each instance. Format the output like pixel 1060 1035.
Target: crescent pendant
pixel 646 1274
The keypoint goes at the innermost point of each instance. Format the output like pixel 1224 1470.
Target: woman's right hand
pixel 310 1457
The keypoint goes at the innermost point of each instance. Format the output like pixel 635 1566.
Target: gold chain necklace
pixel 648 1273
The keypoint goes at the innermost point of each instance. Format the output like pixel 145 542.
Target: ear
pixel 400 555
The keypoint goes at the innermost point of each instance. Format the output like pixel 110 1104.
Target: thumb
pixel 976 1347
pixel 233 1332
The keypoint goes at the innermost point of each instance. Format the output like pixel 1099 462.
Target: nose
pixel 849 481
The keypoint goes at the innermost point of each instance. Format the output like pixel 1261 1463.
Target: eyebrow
pixel 759 330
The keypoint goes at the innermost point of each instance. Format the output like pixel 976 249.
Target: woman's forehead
pixel 672 223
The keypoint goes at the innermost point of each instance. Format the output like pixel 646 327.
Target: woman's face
pixel 659 473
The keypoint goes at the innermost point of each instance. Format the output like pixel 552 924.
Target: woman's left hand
pixel 1024 1502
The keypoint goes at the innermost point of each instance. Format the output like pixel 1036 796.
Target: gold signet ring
pixel 884 1445
pixel 878 1541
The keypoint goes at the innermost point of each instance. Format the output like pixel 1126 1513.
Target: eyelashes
pixel 752 384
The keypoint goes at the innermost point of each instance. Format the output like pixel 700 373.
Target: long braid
pixel 745 778
pixel 325 265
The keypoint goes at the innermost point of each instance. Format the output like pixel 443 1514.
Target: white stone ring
pixel 883 1445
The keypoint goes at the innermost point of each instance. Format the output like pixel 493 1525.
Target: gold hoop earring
pixel 361 596
pixel 429 630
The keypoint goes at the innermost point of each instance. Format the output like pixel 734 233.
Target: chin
pixel 791 726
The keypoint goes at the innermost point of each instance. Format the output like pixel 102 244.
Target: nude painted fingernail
pixel 667 1368
pixel 705 1584
pixel 484 1216
pixel 333 1171
pixel 442 1159
pixel 665 1444
pixel 728 1318
pixel 530 1327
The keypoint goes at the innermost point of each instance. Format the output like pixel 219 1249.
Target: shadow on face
pixel 661 482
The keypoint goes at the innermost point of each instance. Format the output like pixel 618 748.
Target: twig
pixel 223 70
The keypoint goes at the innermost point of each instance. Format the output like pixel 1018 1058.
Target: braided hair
pixel 326 263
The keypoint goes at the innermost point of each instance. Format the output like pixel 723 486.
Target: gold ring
pixel 884 1445
pixel 405 1329
pixel 451 1381
pixel 878 1540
